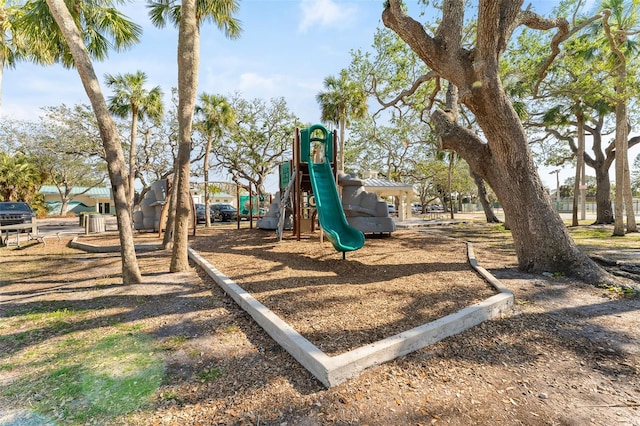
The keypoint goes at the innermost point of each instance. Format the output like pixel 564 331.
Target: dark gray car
pixel 13 212
pixel 224 212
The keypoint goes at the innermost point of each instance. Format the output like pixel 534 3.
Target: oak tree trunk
pixel 541 240
pixel 604 212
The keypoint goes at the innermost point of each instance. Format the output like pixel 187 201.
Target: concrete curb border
pixel 93 248
pixel 332 371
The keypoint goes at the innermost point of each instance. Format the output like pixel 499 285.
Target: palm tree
pixel 216 114
pixel 131 97
pixel 342 101
pixel 108 133
pixel 619 23
pixel 189 16
pixel 20 178
pixel 218 12
pixel 31 32
pixel 616 44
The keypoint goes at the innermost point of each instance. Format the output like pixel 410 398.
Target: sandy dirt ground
pixel 568 353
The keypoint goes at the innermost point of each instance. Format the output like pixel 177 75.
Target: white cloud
pixel 324 13
pixel 250 81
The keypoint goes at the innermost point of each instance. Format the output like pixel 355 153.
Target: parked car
pixel 391 208
pixel 200 213
pixel 416 208
pixel 14 212
pixel 224 212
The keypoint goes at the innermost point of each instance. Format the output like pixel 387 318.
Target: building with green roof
pixel 97 199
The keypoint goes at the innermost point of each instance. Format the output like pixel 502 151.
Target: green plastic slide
pixel 333 222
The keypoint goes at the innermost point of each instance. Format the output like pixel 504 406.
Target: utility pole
pixel 557 172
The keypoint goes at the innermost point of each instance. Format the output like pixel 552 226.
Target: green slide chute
pixel 331 216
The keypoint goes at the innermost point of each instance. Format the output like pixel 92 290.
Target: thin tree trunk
pixel 64 207
pixel 109 135
pixel 576 195
pixel 449 179
pixel 628 196
pixel 167 241
pixel 341 145
pixel 577 184
pixel 205 167
pixel 621 132
pixel 621 158
pixel 188 58
pixel 482 196
pixel 132 157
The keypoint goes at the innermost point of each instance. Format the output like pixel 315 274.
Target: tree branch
pixel 449 32
pixel 536 22
pixel 462 140
pixel 414 34
pixel 405 93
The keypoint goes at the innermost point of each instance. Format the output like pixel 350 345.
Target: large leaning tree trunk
pixel 188 59
pixel 108 134
pixel 541 240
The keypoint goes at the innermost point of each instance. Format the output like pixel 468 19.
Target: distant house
pixel 94 200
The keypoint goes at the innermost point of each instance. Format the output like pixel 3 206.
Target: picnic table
pixel 18 228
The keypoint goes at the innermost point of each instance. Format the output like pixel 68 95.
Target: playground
pixel 281 326
pixel 567 353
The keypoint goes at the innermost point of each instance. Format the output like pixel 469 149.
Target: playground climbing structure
pixel 314 191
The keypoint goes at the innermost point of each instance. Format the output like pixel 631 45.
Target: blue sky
pixel 287 48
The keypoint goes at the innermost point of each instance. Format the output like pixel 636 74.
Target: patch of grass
pixel 170 395
pixel 601 237
pixel 130 327
pixel 231 329
pixel 590 232
pixel 18 337
pixel 91 377
pixel 209 375
pixel 44 316
pixel 500 227
pixel 7 366
pixel 173 342
pixel 619 291
pixel 72 343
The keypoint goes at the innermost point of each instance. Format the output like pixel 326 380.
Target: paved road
pixel 70 226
